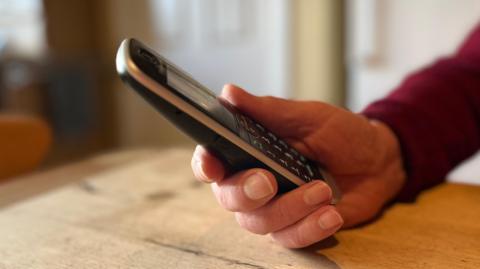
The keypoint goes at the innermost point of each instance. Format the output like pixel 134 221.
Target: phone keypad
pixel 272 136
pixel 277 149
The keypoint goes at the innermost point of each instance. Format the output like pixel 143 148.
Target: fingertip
pixel 259 183
pixel 287 209
pixel 246 190
pixel 231 87
pixel 330 220
pixel 233 94
pixel 319 225
pixel 206 167
pixel 316 192
pixel 226 91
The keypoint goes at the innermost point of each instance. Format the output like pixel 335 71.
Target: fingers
pixel 358 207
pixel 287 209
pixel 246 190
pixel 319 225
pixel 206 167
pixel 250 193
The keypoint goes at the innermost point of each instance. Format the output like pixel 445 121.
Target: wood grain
pixel 149 212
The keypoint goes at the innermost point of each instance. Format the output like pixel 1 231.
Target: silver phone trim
pixel 125 65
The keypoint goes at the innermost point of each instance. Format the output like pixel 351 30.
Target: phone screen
pixel 201 97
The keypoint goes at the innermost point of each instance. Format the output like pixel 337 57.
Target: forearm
pixel 435 115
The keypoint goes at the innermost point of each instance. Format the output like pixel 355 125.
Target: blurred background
pixel 57 57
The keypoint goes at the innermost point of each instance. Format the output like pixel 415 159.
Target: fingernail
pixel 202 175
pixel 257 186
pixel 318 193
pixel 330 219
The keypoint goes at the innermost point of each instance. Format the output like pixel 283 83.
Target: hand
pixel 363 157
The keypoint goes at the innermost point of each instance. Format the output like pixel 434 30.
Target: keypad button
pixel 253 132
pixel 264 139
pixel 278 148
pixel 260 127
pixel 302 158
pixel 283 162
pixel 283 144
pixel 243 119
pixel 295 169
pixel 301 164
pixel 271 154
pixel 255 135
pixel 292 150
pixel 249 122
pixel 272 136
pixel 242 123
pixel 310 170
pixel 289 155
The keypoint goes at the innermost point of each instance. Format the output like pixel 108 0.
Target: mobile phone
pixel 237 140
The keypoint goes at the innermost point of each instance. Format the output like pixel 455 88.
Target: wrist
pixel 393 166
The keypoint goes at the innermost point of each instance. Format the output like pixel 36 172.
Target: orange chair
pixel 24 143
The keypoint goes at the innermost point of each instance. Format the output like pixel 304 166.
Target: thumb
pixel 284 117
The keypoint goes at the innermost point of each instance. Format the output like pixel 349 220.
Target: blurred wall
pixel 387 39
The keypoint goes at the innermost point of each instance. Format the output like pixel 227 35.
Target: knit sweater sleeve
pixel 435 114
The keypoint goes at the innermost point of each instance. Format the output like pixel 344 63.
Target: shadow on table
pixel 313 253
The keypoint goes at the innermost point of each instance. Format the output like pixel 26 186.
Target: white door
pixel 387 39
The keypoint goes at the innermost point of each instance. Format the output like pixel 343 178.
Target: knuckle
pixel 229 199
pixel 226 202
pixel 294 237
pixel 289 240
pixel 252 223
pixel 297 240
pixel 283 211
pixel 266 221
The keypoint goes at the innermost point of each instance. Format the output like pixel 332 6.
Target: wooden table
pixel 143 209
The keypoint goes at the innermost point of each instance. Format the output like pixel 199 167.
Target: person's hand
pixel 363 156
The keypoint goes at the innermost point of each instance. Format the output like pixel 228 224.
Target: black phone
pixel 236 139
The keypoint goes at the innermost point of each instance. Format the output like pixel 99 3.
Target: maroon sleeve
pixel 435 114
